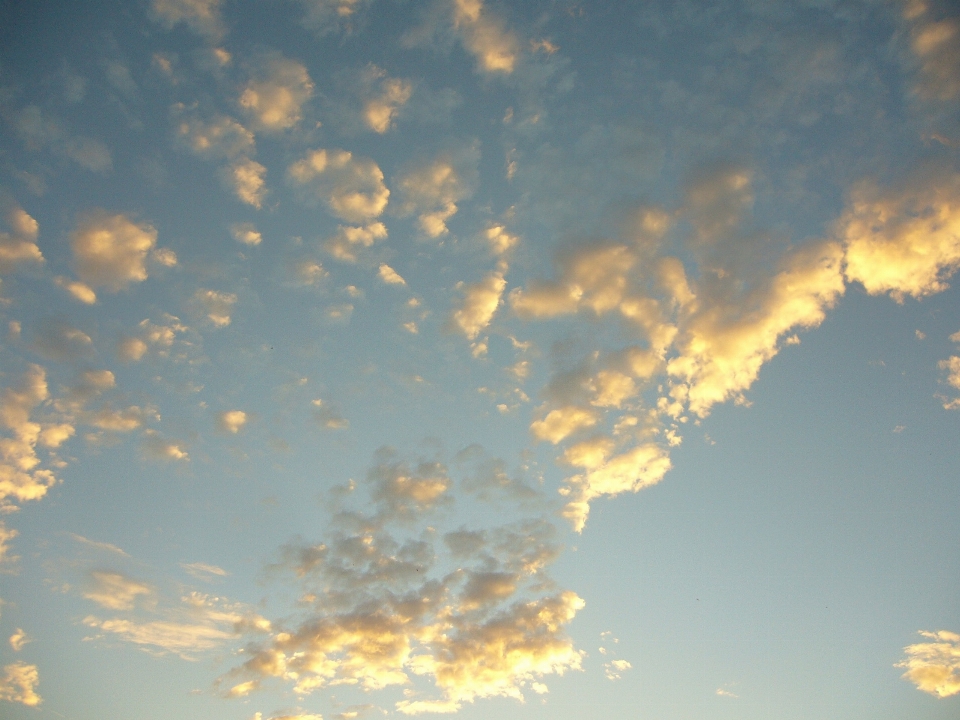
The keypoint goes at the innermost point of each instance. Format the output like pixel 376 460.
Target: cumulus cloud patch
pixel 903 241
pixel 110 250
pixel 485 36
pixel 480 303
pixel 216 305
pixel 201 16
pixel 19 246
pixel 350 241
pixel 232 421
pixel 351 187
pixel 19 684
pixel 273 99
pixel 246 178
pixel 934 666
pixel 433 189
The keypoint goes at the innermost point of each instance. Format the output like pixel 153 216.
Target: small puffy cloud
pixel 563 422
pixel 433 189
pixel 158 448
pixel 110 251
pixel 232 421
pixel 201 16
pixel 403 491
pixel 115 591
pixel 19 684
pixel 351 187
pixel 383 98
pixel 220 138
pixel 903 241
pixel 122 420
pixel 614 669
pixel 480 302
pixel 217 306
pixel 390 276
pixel 81 292
pixel 19 246
pixel 164 256
pixel 274 97
pixel 348 241
pixel 149 336
pixel 934 667
pixel 246 178
pixel 329 416
pixel 485 37
pixel 952 367
pixel 18 640
pixel 246 233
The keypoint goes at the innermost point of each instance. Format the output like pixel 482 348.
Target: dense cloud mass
pixel 934 667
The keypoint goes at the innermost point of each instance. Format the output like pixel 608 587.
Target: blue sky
pixel 375 358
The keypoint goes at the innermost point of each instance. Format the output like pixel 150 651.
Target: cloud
pixel 433 189
pixel 159 338
pixel 158 448
pixel 903 241
pixel 385 601
pixel 19 639
pixel 327 15
pixel 110 251
pixel 116 591
pixel 6 535
pixel 352 188
pixel 500 240
pixel 383 98
pixel 348 241
pixel 19 246
pixel 246 233
pixel 38 132
pixel 952 366
pixel 273 99
pixel 81 292
pixel 204 571
pixel 480 303
pixel 217 306
pixel 936 45
pixel 562 422
pixel 21 476
pixel 232 421
pixel 722 348
pixel 221 138
pixel 328 416
pixel 201 16
pixel 614 668
pixel 199 624
pixel 122 420
pixel 484 36
pixel 104 546
pixel 19 684
pixel 56 340
pixel 390 276
pixel 246 178
pixel 934 667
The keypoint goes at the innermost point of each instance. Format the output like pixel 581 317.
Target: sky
pixel 544 359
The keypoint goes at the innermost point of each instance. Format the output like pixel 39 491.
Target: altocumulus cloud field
pixel 546 359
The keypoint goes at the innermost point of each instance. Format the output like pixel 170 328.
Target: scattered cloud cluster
pixel 934 667
pixel 471 609
pixel 111 251
pixel 485 36
pixel 20 245
pixel 273 99
pixel 351 187
pixel 433 190
pixel 19 684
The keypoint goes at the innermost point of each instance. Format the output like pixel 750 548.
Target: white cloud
pixel 352 187
pixel 934 667
pixel 116 591
pixel 952 366
pixel 21 476
pixel 348 241
pixel 500 240
pixel 204 571
pixel 480 303
pixel 274 98
pixel 232 421
pixel 6 535
pixel 390 276
pixel 936 45
pixel 19 246
pixel 149 336
pixel 246 233
pixel 110 251
pixel 562 422
pixel 158 448
pixel 202 16
pixel 433 189
pixel 383 98
pixel 221 138
pixel 905 241
pixel 246 178
pixel 326 15
pixel 19 684
pixel 484 36
pixel 19 639
pixel 217 306
pixel 81 292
